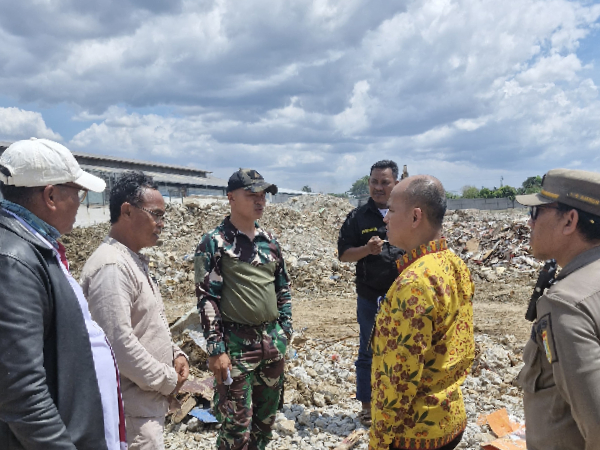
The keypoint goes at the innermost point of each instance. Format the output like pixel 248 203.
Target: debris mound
pixel 306 227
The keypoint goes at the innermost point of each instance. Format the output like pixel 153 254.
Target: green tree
pixel 470 192
pixel 506 192
pixel 451 196
pixel 360 187
pixel 486 193
pixel 531 185
pixel 306 188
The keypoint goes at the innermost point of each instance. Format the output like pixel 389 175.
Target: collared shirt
pixel 126 302
pixel 228 240
pixel 104 363
pixel 374 273
pixel 423 348
pixel 561 375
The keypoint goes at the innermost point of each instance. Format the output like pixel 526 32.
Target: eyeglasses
pixel 156 216
pixel 81 193
pixel 534 211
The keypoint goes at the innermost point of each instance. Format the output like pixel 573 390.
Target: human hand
pixel 218 365
pixel 374 245
pixel 182 368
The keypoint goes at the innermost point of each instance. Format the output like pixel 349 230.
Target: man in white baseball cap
pixel 58 377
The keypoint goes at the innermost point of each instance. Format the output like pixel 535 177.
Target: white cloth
pixel 104 361
pixel 383 211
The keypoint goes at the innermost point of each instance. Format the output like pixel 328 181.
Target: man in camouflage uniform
pixel 245 307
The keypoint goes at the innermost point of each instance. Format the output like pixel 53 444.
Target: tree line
pixel 530 186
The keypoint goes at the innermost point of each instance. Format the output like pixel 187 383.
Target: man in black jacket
pixel 58 378
pixel 363 240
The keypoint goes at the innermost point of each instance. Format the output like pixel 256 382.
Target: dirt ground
pixel 498 309
pixel 496 312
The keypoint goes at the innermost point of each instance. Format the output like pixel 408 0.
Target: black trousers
pixel 449 446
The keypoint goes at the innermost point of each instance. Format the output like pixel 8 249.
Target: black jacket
pixel 49 395
pixel 374 273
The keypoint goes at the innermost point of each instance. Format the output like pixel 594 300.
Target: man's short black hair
pixel 429 195
pixel 588 224
pixel 386 164
pixel 17 194
pixel 128 189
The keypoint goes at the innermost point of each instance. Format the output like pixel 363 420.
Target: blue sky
pixel 310 92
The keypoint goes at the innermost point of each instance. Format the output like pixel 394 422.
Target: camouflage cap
pixel 577 188
pixel 250 180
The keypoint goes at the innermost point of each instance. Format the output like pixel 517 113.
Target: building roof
pixel 112 161
pixel 164 178
pixel 88 159
pixel 162 173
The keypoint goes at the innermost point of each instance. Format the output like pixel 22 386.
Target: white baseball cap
pixel 39 162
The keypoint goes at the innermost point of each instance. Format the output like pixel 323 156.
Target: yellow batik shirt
pixel 423 348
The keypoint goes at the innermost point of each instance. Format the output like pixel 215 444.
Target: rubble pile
pixel 306 227
pixel 320 408
pixel 494 245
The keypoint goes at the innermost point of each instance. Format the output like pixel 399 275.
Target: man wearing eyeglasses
pixel 125 300
pixel 561 376
pixel 58 376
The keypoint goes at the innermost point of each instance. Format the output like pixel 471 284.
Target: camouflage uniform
pixel 246 409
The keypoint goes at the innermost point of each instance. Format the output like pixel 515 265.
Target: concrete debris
pixel 188 404
pixel 306 227
pixel 354 437
pixel 495 245
pixel 321 410
pixel 203 388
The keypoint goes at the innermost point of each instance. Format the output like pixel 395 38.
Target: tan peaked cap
pixel 577 188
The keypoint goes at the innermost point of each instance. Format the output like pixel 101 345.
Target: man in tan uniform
pixel 126 302
pixel 561 376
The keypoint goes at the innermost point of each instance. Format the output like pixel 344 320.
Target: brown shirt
pixel 561 376
pixel 126 302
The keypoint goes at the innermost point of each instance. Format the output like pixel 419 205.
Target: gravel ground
pixel 319 409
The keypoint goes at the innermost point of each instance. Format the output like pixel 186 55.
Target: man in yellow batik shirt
pixel 423 344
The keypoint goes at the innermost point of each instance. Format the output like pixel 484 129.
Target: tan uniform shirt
pixel 561 376
pixel 126 302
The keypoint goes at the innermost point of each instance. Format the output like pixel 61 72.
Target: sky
pixel 474 92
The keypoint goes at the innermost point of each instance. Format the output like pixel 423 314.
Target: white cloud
pixel 17 124
pixel 551 69
pixel 354 118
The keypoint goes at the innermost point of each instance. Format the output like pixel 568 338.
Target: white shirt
pixel 383 211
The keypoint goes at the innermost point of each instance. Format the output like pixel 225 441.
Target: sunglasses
pixel 534 211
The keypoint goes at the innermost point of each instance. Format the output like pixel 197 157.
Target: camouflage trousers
pixel 246 409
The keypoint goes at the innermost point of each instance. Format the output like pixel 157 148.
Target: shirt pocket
pixel 533 378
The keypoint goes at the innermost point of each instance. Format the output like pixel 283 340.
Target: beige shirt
pixel 126 302
pixel 561 376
